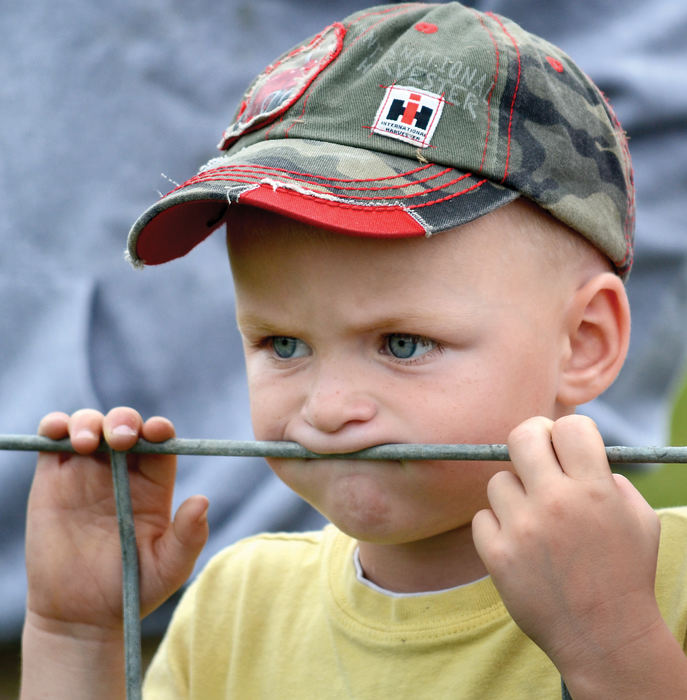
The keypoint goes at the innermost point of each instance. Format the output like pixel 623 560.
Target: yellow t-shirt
pixel 284 616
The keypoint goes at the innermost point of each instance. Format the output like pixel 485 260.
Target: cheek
pixel 262 405
pixel 271 404
pixel 264 415
pixel 483 400
pixel 529 391
pixel 460 406
pixel 307 479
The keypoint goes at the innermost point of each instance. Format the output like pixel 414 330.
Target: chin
pixel 372 527
pixel 360 503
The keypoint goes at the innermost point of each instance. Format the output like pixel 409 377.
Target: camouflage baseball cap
pixel 407 120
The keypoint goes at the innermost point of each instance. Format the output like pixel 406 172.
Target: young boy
pixel 429 217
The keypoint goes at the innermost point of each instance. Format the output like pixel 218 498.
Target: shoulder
pixel 672 554
pixel 265 563
pixel 260 573
pixel 270 549
pixel 255 579
pixel 673 521
pixel 671 592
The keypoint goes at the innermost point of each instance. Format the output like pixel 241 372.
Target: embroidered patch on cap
pixel 408 114
pixel 280 85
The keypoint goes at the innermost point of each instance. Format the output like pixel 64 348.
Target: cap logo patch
pixel 281 85
pixel 408 114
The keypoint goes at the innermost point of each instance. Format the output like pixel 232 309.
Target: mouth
pixel 406 452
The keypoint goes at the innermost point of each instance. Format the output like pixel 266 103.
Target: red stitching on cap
pixel 301 177
pixel 258 171
pixel 332 179
pixel 515 92
pixel 200 177
pixel 450 196
pixel 367 207
pixel 248 180
pixel 497 55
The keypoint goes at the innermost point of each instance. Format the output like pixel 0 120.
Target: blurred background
pixel 105 105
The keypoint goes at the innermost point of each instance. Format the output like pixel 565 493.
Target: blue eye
pixel 288 348
pixel 408 347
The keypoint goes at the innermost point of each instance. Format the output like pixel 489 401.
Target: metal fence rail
pixel 620 454
pixel 245 448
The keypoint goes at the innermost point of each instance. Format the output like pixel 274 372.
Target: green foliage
pixel 667 485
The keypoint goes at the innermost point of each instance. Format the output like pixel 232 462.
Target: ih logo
pixel 408 114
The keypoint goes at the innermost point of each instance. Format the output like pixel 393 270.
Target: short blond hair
pixel 561 246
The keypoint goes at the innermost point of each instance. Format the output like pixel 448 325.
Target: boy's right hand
pixel 73 554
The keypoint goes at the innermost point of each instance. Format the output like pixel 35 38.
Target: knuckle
pixel 528 430
pixel 499 478
pixel 525 528
pixel 557 507
pixel 575 423
pixel 501 557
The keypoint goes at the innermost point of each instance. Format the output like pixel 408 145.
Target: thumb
pixel 184 540
pixel 191 524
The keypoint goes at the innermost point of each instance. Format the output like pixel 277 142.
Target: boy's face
pixel 354 342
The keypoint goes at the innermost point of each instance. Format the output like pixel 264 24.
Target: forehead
pixel 278 262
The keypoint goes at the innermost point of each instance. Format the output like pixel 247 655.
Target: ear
pixel 598 335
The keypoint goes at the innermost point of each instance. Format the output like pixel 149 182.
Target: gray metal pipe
pixel 620 454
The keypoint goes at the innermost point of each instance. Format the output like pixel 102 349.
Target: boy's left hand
pixel 571 547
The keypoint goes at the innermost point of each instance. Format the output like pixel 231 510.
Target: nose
pixel 336 401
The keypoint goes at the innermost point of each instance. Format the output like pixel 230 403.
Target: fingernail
pixel 124 430
pixel 85 434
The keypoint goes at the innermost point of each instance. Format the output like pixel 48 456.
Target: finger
pixel 54 425
pixel 644 511
pixel 85 430
pixel 580 448
pixel 485 533
pixel 160 469
pixel 532 454
pixel 506 496
pixel 122 427
pixel 158 429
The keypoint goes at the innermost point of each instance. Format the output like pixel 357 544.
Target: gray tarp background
pixel 97 99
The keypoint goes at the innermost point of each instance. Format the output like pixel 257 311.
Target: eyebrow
pixel 251 323
pixel 256 324
pixel 399 321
